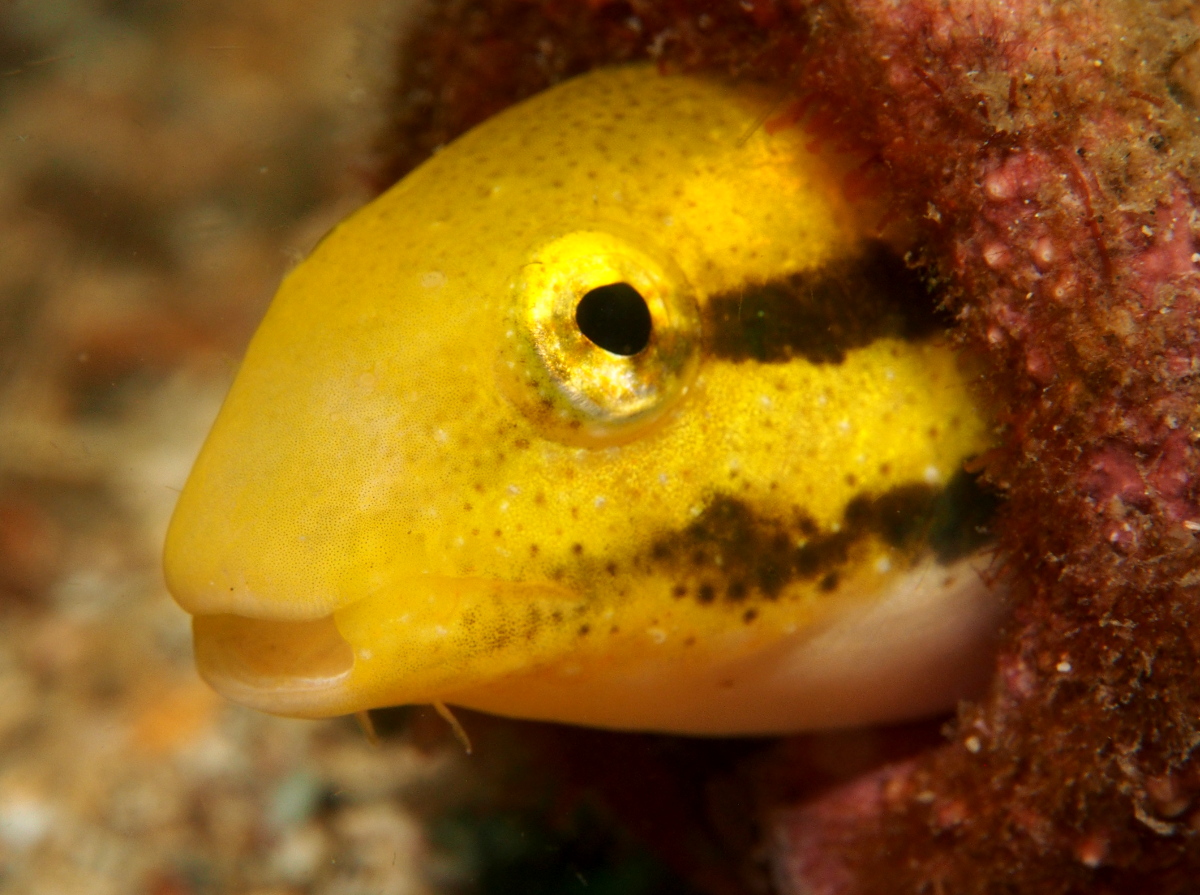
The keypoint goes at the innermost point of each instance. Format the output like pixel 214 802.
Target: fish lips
pixel 410 644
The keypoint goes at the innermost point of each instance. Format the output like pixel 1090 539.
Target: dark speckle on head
pixel 823 314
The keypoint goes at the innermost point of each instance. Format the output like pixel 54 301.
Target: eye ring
pixel 604 337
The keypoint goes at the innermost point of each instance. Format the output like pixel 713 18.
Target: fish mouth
pixel 443 635
pixel 299 668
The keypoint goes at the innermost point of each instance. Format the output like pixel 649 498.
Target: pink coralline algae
pixel 1046 156
pixel 1059 161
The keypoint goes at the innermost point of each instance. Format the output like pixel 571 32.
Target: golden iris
pixel 585 368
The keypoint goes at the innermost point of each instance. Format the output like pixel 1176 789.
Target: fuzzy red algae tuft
pixel 1058 176
pixel 1050 162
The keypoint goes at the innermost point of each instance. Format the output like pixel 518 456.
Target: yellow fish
pixel 608 414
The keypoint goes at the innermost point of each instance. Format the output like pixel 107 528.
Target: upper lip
pixel 413 642
pixel 287 667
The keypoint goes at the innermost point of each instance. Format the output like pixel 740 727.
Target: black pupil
pixel 616 318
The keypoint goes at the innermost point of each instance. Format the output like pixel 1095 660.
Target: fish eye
pixel 616 318
pixel 603 337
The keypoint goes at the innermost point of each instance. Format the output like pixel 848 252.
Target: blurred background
pixel 162 165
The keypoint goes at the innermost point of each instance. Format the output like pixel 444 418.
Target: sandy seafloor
pixel 162 165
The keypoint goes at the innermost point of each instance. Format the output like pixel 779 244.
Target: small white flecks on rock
pixel 999 186
pixel 995 255
pixel 1063 667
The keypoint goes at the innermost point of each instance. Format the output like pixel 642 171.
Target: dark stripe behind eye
pixel 820 315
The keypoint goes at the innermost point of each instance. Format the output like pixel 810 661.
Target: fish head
pixel 609 413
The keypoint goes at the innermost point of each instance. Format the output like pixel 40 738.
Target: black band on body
pixel 733 553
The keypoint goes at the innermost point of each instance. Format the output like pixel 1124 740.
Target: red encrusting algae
pixel 1055 164
pixel 1047 155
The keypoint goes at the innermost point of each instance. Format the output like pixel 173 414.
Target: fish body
pixel 609 414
